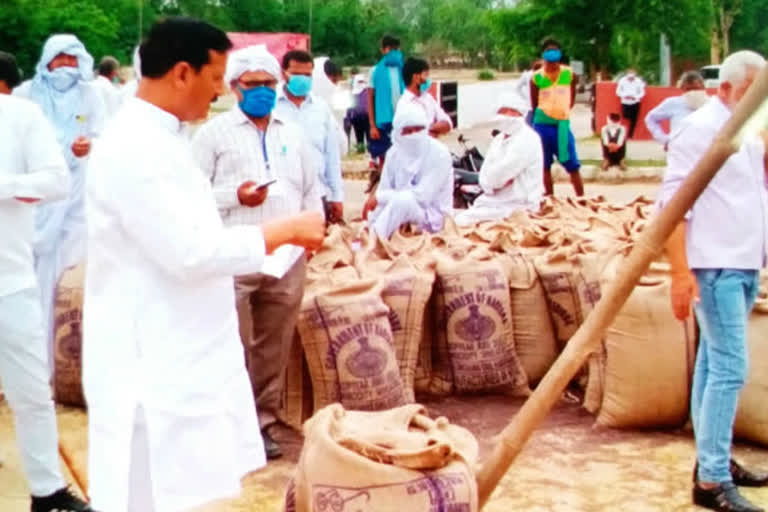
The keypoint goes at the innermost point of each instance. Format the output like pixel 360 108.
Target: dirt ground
pixel 568 465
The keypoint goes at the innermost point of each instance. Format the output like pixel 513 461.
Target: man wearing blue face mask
pixel 418 83
pixel 297 104
pixel 261 168
pixel 386 87
pixel 63 88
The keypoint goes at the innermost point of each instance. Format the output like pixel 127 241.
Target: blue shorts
pixel 379 148
pixel 548 134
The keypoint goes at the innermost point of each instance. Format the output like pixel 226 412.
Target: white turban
pixel 321 84
pixel 414 145
pixel 409 114
pixel 514 101
pixel 69 45
pixel 251 58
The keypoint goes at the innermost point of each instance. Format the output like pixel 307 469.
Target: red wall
pixel 607 102
pixel 278 43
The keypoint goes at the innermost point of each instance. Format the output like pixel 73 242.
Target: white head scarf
pixel 136 64
pixel 321 84
pixel 58 92
pixel 249 59
pixel 359 84
pixel 507 124
pixel 414 145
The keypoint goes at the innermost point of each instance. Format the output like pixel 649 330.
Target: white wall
pixel 477 101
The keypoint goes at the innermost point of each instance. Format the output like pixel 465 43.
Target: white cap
pixel 251 58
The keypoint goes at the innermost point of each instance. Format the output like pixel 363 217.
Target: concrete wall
pixel 477 101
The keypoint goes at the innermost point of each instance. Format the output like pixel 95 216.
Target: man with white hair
pixel 511 175
pixel 261 168
pixel 417 180
pixel 62 87
pixel 716 255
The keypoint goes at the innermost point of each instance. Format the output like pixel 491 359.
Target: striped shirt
pixel 230 150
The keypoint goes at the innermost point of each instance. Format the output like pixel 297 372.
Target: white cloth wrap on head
pixel 250 59
pixel 136 64
pixel 70 45
pixel 514 101
pixel 414 144
pixel 321 84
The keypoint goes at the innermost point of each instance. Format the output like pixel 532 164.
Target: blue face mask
pixel 299 85
pixel 552 55
pixel 393 58
pixel 257 102
pixel 425 86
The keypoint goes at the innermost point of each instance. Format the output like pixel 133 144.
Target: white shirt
pixel 160 328
pixel 523 87
pixel 518 157
pixel 320 128
pixel 675 109
pixel 229 150
pixel 629 91
pixel 110 95
pixel 610 131
pixel 726 227
pixel 31 165
pixel 434 111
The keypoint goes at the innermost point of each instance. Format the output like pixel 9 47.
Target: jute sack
pixel 297 403
pixel 391 461
pixel 534 334
pixel 406 290
pixel 649 359
pixel 349 347
pixel 571 281
pixel 476 320
pixel 68 319
pixel 752 415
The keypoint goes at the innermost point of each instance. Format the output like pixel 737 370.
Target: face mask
pixel 394 58
pixel 413 143
pixel 425 86
pixel 299 85
pixel 552 55
pixel 257 102
pixel 695 99
pixel 63 79
pixel 509 124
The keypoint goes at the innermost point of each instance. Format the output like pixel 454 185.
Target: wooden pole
pixel 81 481
pixel 587 338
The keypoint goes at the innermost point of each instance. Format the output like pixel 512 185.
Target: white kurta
pixel 519 158
pixel 160 327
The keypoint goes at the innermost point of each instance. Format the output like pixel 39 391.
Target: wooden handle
pixel 587 338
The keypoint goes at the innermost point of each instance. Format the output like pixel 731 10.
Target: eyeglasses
pixel 252 84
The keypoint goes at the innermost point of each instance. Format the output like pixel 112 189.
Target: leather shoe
pixel 741 477
pixel 724 498
pixel 271 448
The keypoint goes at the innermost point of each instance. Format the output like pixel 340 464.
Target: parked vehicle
pixel 466 174
pixel 711 75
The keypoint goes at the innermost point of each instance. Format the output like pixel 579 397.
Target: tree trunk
pixel 714 54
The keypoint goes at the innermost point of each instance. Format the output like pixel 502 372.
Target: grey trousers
pixel 267 309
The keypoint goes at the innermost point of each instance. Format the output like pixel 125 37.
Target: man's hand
pixel 630 98
pixel 612 147
pixel 308 230
pixel 439 128
pixel 375 134
pixel 251 195
pixel 29 200
pixel 684 293
pixel 336 211
pixel 81 147
pixel 370 205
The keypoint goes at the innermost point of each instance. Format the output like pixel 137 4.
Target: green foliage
pixel 607 35
pixel 485 74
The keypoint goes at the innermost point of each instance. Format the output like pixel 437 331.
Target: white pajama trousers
pixel 25 377
pixel 401 209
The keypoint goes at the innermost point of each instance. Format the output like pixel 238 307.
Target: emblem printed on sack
pixel 368 361
pixel 476 327
pixel 361 334
pixel 450 492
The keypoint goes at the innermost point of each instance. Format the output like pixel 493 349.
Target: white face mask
pixel 63 79
pixel 509 124
pixel 413 143
pixel 695 99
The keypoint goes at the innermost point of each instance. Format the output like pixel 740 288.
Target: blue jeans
pixel 727 297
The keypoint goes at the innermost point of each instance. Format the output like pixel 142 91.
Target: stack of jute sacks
pixel 482 309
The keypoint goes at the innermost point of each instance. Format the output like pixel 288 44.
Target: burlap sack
pixel 391 461
pixel 571 281
pixel 68 319
pixel 297 404
pixel 476 319
pixel 649 359
pixel 752 415
pixel 349 347
pixel 406 290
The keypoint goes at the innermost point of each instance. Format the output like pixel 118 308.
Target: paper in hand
pixel 281 260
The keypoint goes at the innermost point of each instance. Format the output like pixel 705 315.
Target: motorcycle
pixel 466 174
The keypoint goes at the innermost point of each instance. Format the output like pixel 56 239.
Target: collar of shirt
pixel 239 117
pixel 282 97
pixel 158 116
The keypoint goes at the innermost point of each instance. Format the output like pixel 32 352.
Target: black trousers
pixel 630 112
pixel 615 157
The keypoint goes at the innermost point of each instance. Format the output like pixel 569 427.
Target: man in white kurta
pixel 511 175
pixel 416 184
pixel 32 169
pixel 63 89
pixel 172 423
